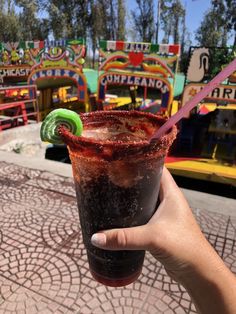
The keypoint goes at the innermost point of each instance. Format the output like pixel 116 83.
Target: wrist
pixel 211 285
pixel 207 265
pixel 208 270
pixel 199 259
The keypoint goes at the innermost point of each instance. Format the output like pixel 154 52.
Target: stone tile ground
pixel 43 264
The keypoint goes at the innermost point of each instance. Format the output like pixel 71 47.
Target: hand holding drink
pixel 117 165
pixel 117 175
pixel 174 238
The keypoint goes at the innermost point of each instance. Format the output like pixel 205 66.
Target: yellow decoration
pixel 115 65
pixel 14 56
pixel 81 61
pixel 59 63
pixel 155 69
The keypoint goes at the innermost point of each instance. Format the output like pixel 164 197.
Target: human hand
pixel 172 235
pixel 174 238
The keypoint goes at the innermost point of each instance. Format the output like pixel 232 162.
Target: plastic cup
pixel 117 175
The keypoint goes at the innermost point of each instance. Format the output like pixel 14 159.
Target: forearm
pixel 212 286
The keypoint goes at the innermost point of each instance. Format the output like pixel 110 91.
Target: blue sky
pixel 195 10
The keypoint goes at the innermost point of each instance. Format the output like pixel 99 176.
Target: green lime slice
pixel 67 118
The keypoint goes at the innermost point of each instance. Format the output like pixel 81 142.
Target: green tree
pixel 96 26
pixel 113 19
pixel 81 18
pixel 227 18
pixel 99 26
pixel 9 22
pixel 143 18
pixel 107 21
pixel 209 34
pixel 178 13
pixel 68 19
pixel 166 20
pixel 185 46
pixel 218 24
pixel 30 25
pixel 172 20
pixel 120 34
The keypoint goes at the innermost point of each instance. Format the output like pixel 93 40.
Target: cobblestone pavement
pixel 43 264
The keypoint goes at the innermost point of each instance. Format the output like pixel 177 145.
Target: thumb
pixel 134 238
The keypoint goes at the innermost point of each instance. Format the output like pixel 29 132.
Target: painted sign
pixel 198 65
pixel 135 80
pixel 14 71
pixel 222 92
pixel 111 45
pixel 77 77
pixel 35 53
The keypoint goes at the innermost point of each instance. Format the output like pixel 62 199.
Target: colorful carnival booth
pixel 54 67
pixel 135 75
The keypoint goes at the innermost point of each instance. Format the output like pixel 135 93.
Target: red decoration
pixel 119 45
pixel 174 49
pixel 203 110
pixel 41 44
pixel 135 58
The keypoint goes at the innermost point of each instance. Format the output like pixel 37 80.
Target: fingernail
pixel 98 239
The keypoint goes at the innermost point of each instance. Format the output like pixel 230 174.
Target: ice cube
pixel 124 174
pixel 125 137
pixel 97 134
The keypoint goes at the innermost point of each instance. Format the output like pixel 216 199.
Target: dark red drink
pixel 117 177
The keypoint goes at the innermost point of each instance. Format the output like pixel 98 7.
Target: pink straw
pixel 229 69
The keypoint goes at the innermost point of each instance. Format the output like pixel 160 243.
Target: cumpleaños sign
pixel 131 80
pixel 135 80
